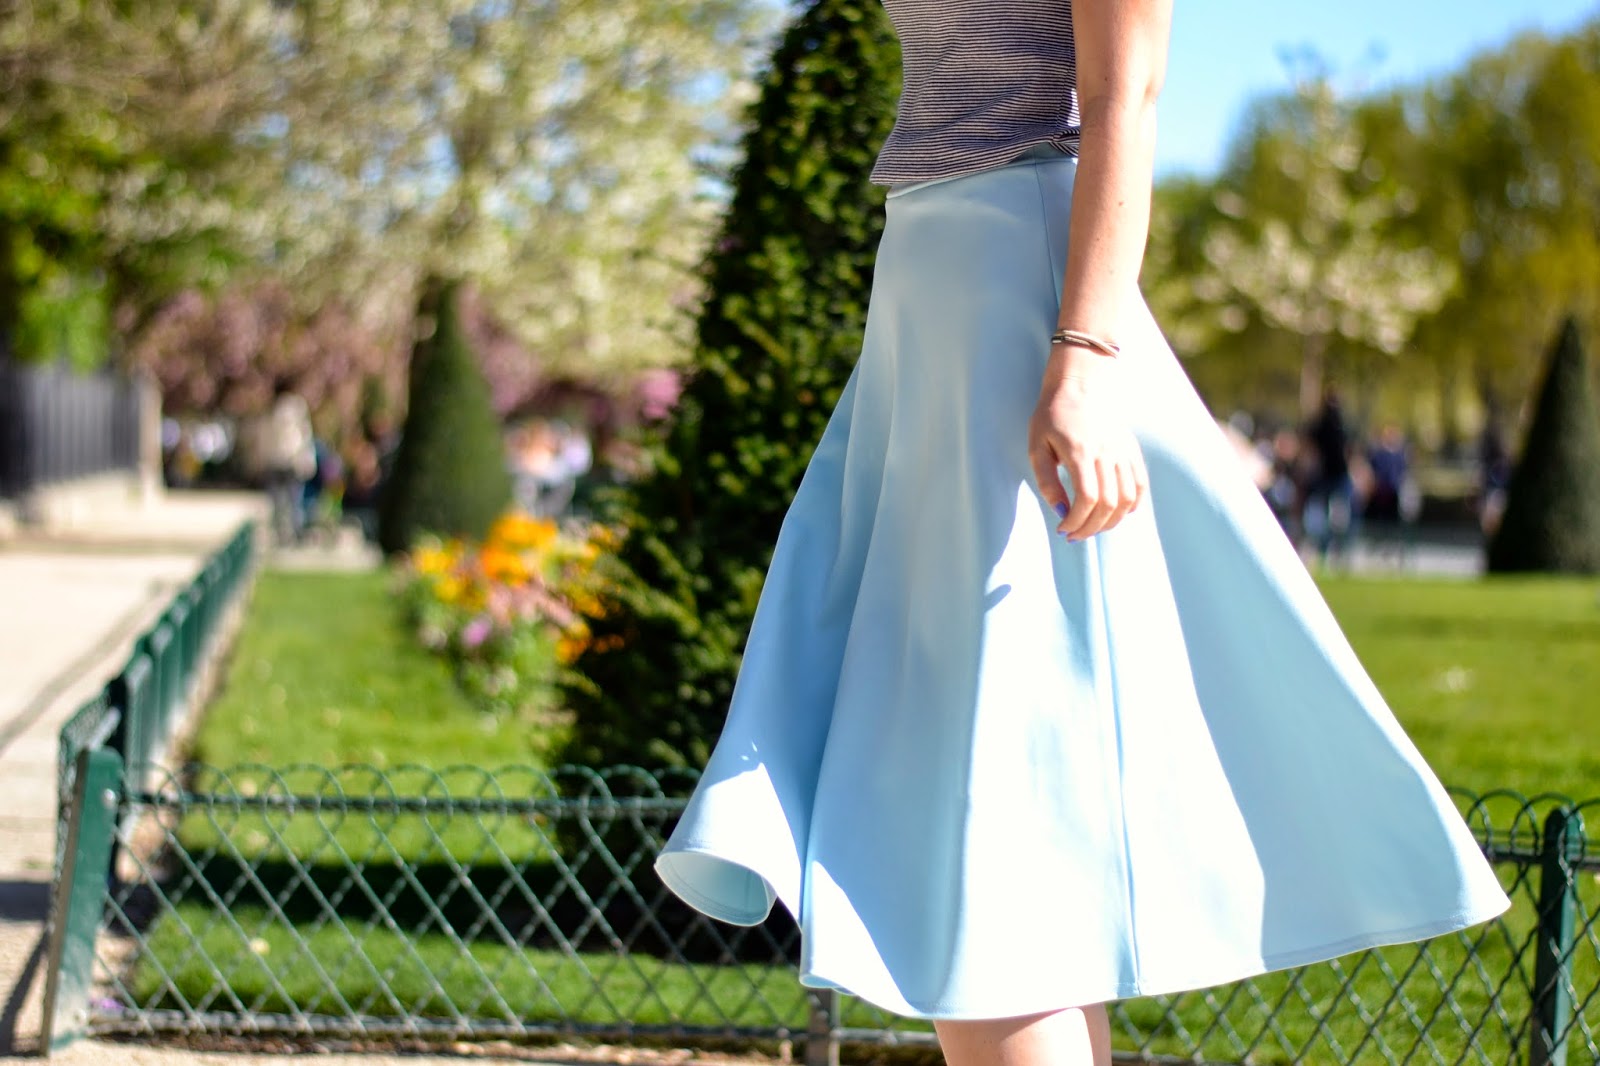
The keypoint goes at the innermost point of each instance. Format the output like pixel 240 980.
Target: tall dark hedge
pixel 787 289
pixel 450 474
pixel 1552 515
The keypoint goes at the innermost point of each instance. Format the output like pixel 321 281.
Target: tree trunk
pixel 1313 355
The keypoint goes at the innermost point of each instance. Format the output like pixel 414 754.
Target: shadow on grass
pixel 538 904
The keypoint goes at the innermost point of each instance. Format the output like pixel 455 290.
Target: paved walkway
pixel 105 1053
pixel 72 600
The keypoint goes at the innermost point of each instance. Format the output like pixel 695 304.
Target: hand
pixel 1079 425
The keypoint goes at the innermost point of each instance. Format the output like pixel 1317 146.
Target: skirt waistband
pixel 1043 152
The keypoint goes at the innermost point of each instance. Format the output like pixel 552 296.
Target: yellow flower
pixel 586 603
pixel 450 589
pixel 473 598
pixel 433 560
pixel 572 644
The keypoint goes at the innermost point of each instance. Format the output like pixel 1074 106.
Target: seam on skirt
pixel 1129 902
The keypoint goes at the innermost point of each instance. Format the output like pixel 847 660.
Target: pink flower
pixel 475 632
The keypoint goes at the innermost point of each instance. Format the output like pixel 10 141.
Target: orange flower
pixel 519 532
pixel 504 567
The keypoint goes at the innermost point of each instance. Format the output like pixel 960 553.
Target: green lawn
pixel 1497 681
pixel 370 969
pixel 1494 680
pixel 324 673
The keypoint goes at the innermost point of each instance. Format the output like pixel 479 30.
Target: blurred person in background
pixel 1330 496
pixel 1283 492
pixel 289 460
pixel 1389 459
pixel 363 482
pixel 1494 475
pixel 1393 501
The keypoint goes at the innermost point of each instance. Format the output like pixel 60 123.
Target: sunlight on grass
pixel 324 673
pixel 1495 680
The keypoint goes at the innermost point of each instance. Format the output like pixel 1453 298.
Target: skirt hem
pixel 1239 971
pixel 1212 976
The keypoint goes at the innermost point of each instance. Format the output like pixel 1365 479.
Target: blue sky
pixel 1225 52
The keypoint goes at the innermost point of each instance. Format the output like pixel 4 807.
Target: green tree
pixel 788 283
pixel 1311 243
pixel 553 154
pixel 450 474
pixel 1552 516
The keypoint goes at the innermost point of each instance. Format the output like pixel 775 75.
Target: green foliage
pixel 1552 516
pixel 49 242
pixel 1304 236
pixel 788 283
pixel 1492 172
pixel 450 475
pixel 347 150
pixel 65 318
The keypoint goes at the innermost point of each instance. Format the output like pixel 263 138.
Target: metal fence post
pixel 133 693
pixel 822 1032
pixel 1552 971
pixel 79 894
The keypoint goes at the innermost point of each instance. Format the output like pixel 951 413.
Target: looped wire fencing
pixel 362 901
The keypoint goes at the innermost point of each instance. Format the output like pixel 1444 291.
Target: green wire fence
pixel 468 903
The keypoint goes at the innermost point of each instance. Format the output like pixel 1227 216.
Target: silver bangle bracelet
pixel 1084 340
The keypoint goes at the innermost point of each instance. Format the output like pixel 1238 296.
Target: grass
pixel 1493 679
pixel 1497 681
pixel 368 968
pixel 324 673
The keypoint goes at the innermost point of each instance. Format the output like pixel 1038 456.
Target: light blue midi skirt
pixel 992 772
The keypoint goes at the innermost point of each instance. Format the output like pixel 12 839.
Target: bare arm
pixel 1122 59
pixel 1122 54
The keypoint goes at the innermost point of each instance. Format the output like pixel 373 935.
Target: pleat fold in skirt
pixel 991 772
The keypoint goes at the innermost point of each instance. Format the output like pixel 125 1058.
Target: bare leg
pixel 1080 1036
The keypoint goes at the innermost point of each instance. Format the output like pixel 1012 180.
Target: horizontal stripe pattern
pixel 982 82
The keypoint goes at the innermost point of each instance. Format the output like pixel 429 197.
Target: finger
pixel 1099 519
pixel 1043 460
pixel 1141 474
pixel 1085 497
pixel 1128 484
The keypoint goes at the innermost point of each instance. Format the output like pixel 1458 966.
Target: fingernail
pixel 1061 510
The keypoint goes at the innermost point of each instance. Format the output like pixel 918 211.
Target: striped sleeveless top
pixel 982 82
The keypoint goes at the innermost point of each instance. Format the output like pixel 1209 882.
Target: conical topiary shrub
pixel 1552 515
pixel 787 289
pixel 450 474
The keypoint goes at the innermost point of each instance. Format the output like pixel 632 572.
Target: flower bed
pixel 508 612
